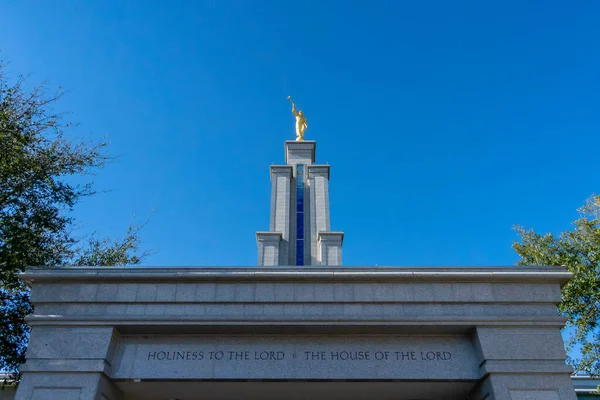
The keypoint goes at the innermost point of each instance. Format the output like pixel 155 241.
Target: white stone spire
pixel 299 232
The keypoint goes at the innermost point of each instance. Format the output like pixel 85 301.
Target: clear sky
pixel 445 123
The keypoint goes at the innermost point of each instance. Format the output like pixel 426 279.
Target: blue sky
pixel 445 123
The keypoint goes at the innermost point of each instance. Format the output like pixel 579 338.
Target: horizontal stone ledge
pixel 525 367
pixel 288 328
pixel 65 365
pixel 506 319
pixel 292 311
pixel 375 274
pixel 170 320
pixel 270 302
pixel 285 380
pixel 295 291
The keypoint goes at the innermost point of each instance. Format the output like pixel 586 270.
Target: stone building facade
pixel 299 326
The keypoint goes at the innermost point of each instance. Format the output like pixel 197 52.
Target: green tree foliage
pixel 37 166
pixel 578 250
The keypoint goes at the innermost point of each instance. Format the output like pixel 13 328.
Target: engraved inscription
pixel 296 357
pixel 280 355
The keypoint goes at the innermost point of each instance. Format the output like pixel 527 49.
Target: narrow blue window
pixel 300 256
pixel 300 214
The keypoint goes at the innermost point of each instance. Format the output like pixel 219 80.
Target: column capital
pixel 268 236
pixel 281 169
pixel 319 170
pixel 331 237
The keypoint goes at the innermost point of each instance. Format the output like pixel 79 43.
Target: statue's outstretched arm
pixel 293 106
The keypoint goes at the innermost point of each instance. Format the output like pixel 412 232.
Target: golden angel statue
pixel 301 124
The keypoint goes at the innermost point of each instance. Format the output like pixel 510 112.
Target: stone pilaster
pixel 69 363
pixel 281 186
pixel 330 248
pixel 522 363
pixel 269 248
pixel 318 177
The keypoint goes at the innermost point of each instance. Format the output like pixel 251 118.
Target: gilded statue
pixel 301 124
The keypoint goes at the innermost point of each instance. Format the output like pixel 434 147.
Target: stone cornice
pixel 265 236
pixel 287 274
pixel 318 169
pixel 331 236
pixel 450 324
pixel 281 169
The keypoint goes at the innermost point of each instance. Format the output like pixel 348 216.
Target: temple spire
pixel 299 232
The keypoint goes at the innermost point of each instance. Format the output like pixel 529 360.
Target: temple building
pixel 299 325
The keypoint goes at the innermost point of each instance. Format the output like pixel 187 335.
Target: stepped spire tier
pixel 299 232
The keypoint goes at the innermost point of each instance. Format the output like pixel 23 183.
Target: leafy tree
pixel 37 166
pixel 578 250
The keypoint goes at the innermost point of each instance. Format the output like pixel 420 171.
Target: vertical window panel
pixel 300 214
